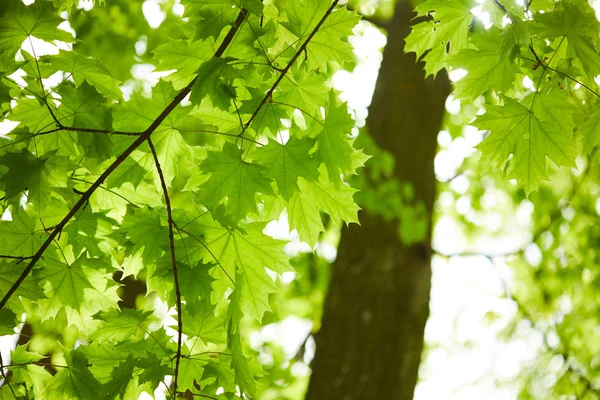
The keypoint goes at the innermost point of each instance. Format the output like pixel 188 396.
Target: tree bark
pixel 370 343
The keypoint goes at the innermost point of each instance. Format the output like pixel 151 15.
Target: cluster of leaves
pixel 533 71
pixel 535 64
pixel 173 188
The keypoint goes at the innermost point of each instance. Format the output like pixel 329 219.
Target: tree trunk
pixel 369 346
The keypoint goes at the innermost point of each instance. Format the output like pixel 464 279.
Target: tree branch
pixel 301 50
pixel 163 184
pixel 143 137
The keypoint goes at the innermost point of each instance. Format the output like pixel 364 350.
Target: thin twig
pixel 163 184
pixel 301 50
pixel 6 381
pixel 541 63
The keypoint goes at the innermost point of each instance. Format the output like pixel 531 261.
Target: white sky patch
pixel 452 105
pixel 483 16
pixel 86 5
pixel 457 74
pixel 153 13
pixel 528 83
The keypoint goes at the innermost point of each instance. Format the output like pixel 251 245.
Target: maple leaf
pixel 590 129
pixel 75 382
pixel 37 175
pixel 143 227
pixel 20 237
pixel 327 44
pixel 85 69
pixel 81 288
pixel 486 67
pixel 233 181
pixel 572 22
pixel 212 82
pixel 118 326
pixel 517 130
pixel 18 22
pixel 248 250
pixel 334 148
pixel 184 57
pixel 286 163
pixel 445 34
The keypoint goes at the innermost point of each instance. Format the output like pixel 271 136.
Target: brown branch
pixel 301 50
pixel 500 6
pixel 5 378
pixel 165 190
pixel 141 139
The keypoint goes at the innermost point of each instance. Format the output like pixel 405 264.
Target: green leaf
pixel 85 69
pixel 233 181
pixel 286 163
pixel 327 44
pixel 251 252
pixel 334 148
pixel 74 382
pixel 190 371
pixel 200 321
pixel 212 82
pixel 183 57
pixel 81 288
pixel 445 34
pixel 120 378
pixel 32 114
pixel 487 68
pixel 243 374
pixel 33 376
pixel 336 201
pixel 516 130
pixel 590 129
pixel 305 91
pixel 18 22
pixel 83 107
pixel 120 325
pixel 38 176
pixel 8 322
pixel 578 25
pixel 145 229
pixel 88 231
pixel 20 236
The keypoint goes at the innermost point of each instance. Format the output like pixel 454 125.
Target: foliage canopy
pixel 103 182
